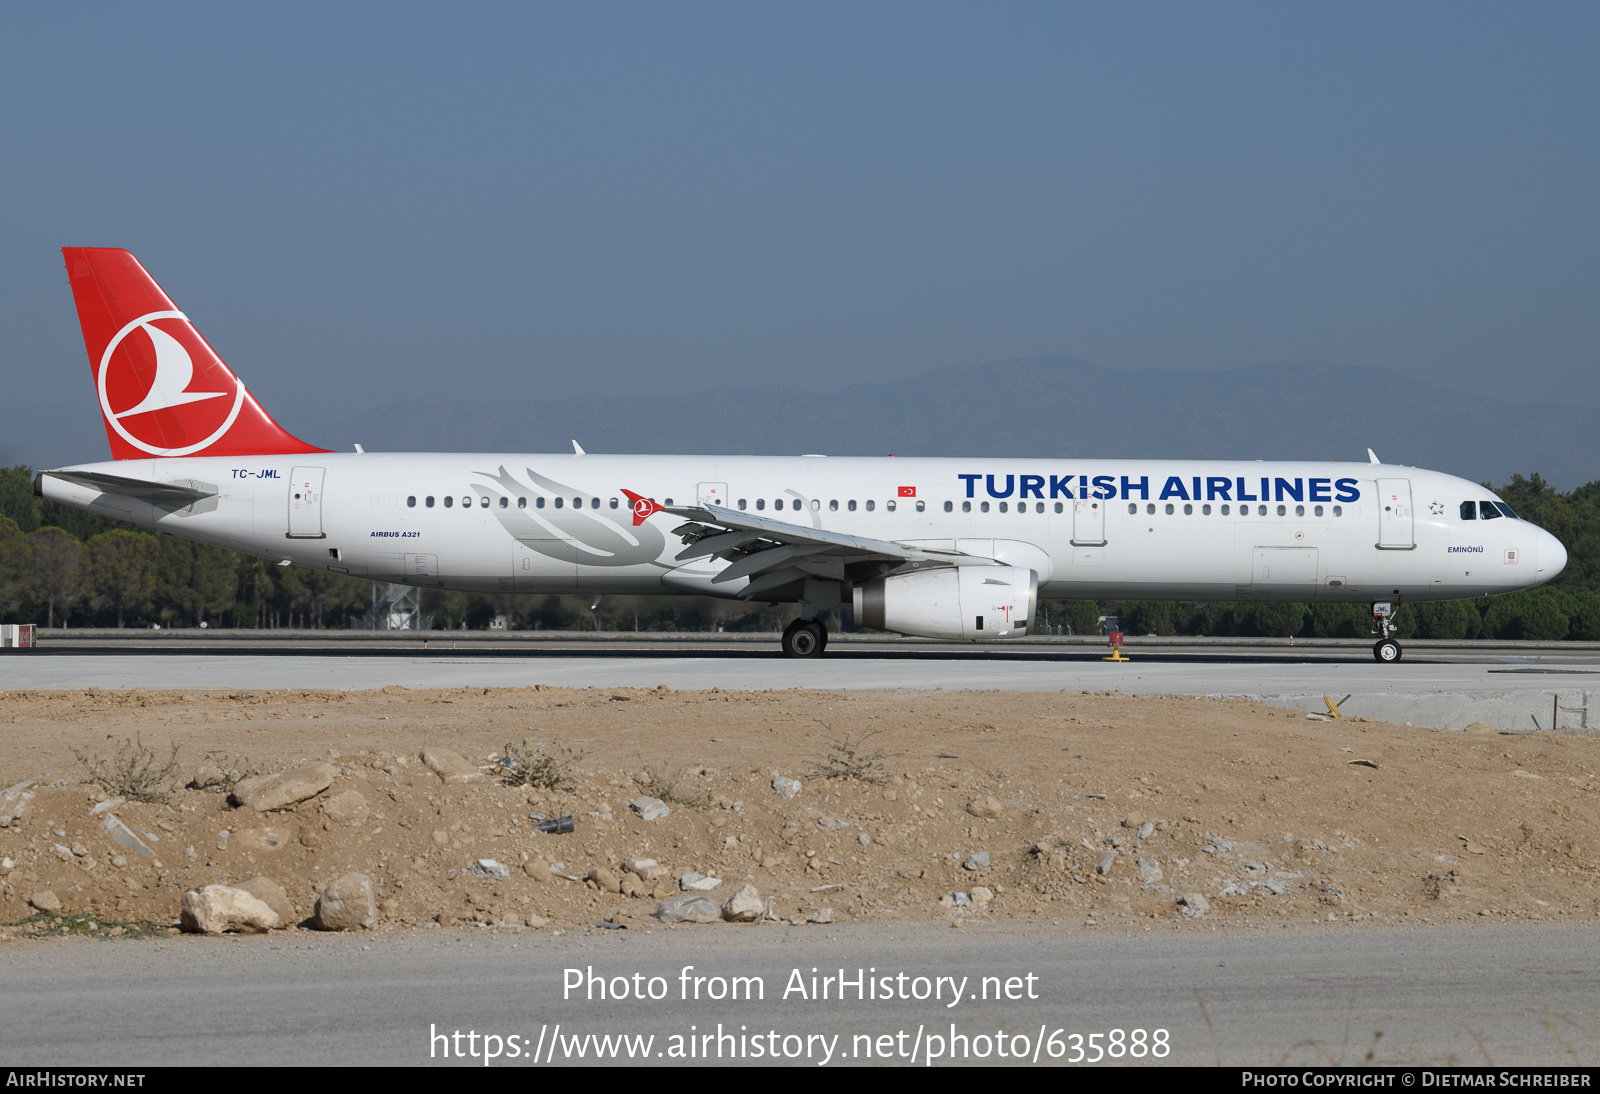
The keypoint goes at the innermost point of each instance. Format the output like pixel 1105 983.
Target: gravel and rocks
pixel 650 808
pixel 266 793
pixel 219 909
pixel 347 905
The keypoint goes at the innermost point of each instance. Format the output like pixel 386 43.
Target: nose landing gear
pixel 1386 650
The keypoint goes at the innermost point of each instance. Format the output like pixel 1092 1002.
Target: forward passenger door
pixel 1396 530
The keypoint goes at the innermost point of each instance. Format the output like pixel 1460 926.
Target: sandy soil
pixel 1273 818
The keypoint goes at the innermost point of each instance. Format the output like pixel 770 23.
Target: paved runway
pixel 1516 688
pixel 1473 995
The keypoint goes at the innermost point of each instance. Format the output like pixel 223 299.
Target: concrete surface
pixel 1506 995
pixel 1514 687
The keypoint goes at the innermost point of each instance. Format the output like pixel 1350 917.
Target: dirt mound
pixel 1100 807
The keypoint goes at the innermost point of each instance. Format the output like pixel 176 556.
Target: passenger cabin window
pixel 1487 510
pixel 1002 507
pixel 741 503
pixel 560 502
pixel 428 501
pixel 983 507
pixel 1338 510
pixel 411 502
pixel 1261 510
pixel 949 507
pixel 538 502
pixel 1169 509
pixel 614 503
pixel 1058 507
pixel 761 503
pixel 522 503
pixel 851 505
pixel 921 505
pixel 1133 507
pixel 505 503
pixel 1205 510
pixel 1469 510
pixel 483 502
pixel 1283 510
pixel 833 506
pixel 1224 510
pixel 1039 507
pixel 1317 511
pixel 966 507
pixel 449 501
pixel 1188 510
pixel 1150 509
pixel 889 505
pixel 577 503
pixel 871 505
pixel 1299 510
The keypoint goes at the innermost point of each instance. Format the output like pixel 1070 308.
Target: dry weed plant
pixel 235 769
pixel 671 787
pixel 543 765
pixel 135 772
pixel 847 758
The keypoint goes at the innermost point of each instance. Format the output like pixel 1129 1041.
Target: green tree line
pixel 64 567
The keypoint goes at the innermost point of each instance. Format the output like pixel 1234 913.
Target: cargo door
pixel 422 569
pixel 1395 524
pixel 1089 522
pixel 1284 570
pixel 305 503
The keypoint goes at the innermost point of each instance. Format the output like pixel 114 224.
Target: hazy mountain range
pixel 1044 407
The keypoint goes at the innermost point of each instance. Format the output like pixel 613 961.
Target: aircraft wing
pixel 775 552
pixel 180 492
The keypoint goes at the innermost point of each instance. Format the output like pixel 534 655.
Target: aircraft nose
pixel 1552 557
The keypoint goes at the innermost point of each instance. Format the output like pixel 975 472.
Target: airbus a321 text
pixel 941 548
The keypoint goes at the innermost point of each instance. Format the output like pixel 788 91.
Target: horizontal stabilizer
pixel 179 492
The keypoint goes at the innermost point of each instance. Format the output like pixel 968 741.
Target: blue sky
pixel 362 202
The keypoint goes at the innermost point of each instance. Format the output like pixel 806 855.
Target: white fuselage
pixel 1094 529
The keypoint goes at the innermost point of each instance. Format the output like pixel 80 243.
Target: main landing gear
pixel 1386 650
pixel 805 638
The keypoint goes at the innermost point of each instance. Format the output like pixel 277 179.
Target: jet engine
pixel 951 602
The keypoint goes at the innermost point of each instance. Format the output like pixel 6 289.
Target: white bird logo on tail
pixel 174 371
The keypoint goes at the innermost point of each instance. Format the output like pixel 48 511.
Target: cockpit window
pixel 1469 510
pixel 1506 509
pixel 1488 511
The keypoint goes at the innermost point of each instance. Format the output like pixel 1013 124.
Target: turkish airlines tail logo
pixel 163 389
pixel 643 508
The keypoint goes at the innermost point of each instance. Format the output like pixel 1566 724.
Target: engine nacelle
pixel 951 602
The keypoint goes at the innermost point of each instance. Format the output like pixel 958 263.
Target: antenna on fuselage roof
pixel 577 449
pixel 1371 455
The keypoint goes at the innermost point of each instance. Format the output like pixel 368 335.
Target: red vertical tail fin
pixel 163 389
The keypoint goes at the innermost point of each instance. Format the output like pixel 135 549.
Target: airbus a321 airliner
pixel 940 548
